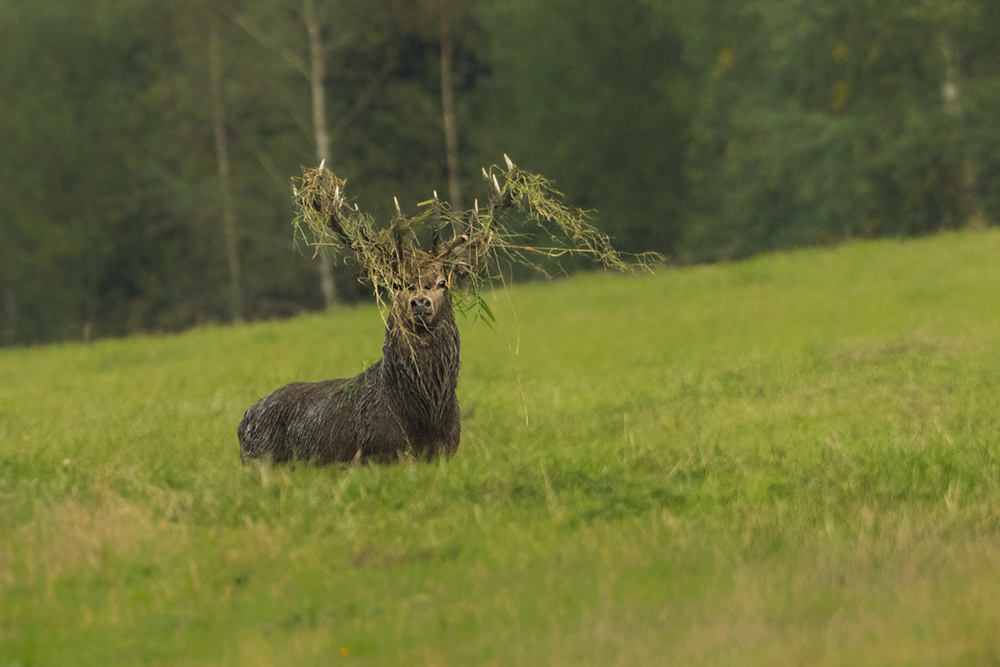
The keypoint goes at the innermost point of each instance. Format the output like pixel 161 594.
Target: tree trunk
pixel 317 74
pixel 225 181
pixel 10 314
pixel 951 94
pixel 949 87
pixel 90 270
pixel 448 111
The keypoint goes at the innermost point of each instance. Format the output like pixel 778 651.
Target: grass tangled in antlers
pixel 479 244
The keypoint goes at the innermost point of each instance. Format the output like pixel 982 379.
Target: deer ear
pixel 459 276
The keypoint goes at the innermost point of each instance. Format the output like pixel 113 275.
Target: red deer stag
pixel 405 403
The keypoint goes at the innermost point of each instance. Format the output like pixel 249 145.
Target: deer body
pixel 404 404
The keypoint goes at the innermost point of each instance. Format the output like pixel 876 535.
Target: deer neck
pixel 420 367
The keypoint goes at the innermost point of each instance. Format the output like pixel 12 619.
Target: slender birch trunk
pixel 448 111
pixel 951 94
pixel 225 180
pixel 317 74
pixel 10 314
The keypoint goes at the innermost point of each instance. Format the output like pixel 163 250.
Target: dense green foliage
pixel 791 460
pixel 844 118
pixel 699 129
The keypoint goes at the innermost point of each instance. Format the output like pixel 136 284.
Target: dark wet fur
pixel 403 405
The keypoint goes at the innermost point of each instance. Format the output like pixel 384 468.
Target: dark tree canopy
pixel 701 130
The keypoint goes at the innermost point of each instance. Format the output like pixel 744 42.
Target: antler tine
pixel 322 163
pixel 399 232
pixel 309 198
pixel 510 165
pixel 436 233
pixel 335 219
pixel 500 198
pixel 399 213
pixel 333 222
pixel 458 240
pixel 490 183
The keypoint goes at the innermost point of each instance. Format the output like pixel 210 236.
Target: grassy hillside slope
pixel 792 460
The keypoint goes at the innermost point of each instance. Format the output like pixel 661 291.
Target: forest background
pixel 146 148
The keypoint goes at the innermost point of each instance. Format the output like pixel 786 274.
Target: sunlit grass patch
pixel 793 459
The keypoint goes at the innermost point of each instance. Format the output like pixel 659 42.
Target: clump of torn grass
pixel 480 241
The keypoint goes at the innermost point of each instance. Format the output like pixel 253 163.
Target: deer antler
pixel 448 249
pixel 326 218
pixel 334 220
pixel 500 198
pixel 322 193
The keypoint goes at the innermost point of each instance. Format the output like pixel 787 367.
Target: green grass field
pixel 787 461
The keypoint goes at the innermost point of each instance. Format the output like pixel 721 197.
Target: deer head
pixel 421 296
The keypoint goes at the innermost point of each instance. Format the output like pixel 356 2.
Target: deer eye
pixel 442 284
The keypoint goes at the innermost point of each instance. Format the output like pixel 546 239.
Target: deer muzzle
pixel 421 306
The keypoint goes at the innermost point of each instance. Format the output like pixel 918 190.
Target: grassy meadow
pixel 791 460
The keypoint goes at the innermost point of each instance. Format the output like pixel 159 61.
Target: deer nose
pixel 420 304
